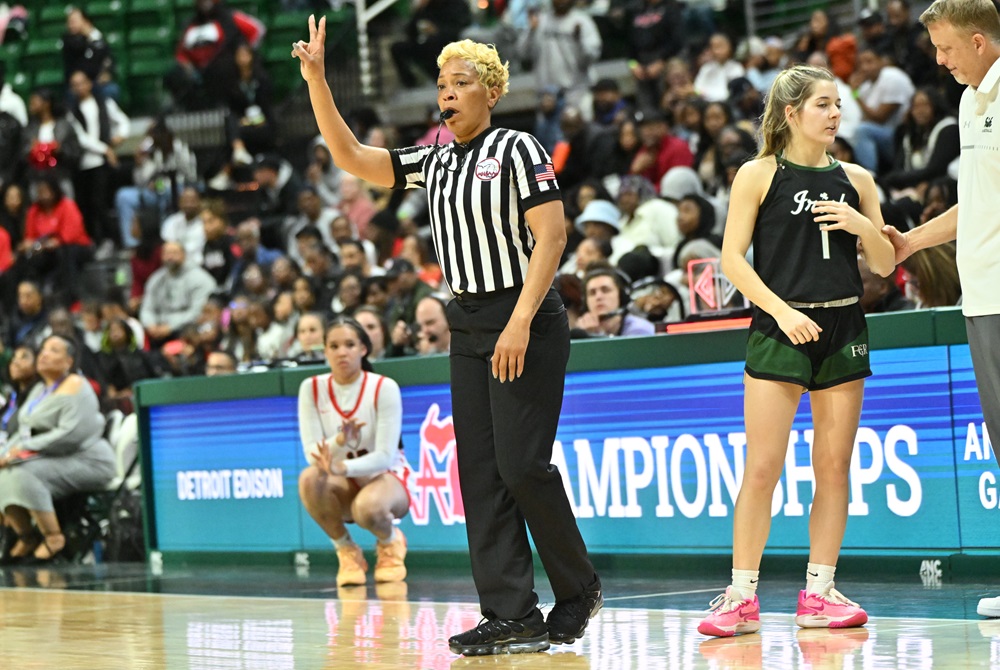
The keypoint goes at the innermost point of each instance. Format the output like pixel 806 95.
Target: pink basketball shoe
pixel 828 609
pixel 731 615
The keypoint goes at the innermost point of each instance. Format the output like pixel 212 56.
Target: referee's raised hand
pixel 311 55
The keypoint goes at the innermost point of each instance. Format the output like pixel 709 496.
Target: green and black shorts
pixel 839 356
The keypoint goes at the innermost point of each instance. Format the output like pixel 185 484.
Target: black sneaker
pixel 503 636
pixel 569 618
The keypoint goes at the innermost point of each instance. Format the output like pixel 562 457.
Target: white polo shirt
pixel 979 196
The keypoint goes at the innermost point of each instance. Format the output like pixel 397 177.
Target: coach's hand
pixel 900 243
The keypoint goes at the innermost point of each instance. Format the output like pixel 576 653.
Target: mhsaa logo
pixel 436 478
pixel 487 169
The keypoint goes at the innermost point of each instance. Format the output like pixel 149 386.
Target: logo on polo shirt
pixel 988 125
pixel 487 169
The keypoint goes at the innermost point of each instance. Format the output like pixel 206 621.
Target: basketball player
pixel 805 214
pixel 350 422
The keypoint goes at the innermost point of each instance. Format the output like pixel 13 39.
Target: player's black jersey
pixel 793 257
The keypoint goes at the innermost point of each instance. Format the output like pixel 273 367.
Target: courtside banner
pixel 651 459
pixel 978 480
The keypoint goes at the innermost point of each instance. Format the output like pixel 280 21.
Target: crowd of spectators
pixel 645 181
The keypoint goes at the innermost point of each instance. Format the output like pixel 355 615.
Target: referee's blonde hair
pixel 484 57
pixel 792 86
pixel 968 16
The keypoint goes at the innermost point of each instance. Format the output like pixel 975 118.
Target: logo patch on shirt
pixel 988 125
pixel 544 172
pixel 487 169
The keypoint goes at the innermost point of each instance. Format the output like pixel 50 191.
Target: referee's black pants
pixel 504 433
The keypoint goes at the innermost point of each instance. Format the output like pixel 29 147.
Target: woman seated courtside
pixel 350 422
pixel 58 450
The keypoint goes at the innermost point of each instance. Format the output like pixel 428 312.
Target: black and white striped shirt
pixel 478 194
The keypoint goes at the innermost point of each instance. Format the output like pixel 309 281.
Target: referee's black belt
pixel 469 298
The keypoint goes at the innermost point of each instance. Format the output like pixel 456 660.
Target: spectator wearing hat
pixel 598 223
pixel 609 107
pixel 562 43
pixel 712 80
pixel 279 189
pixel 660 150
pixel 873 29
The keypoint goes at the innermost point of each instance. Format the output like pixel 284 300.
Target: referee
pixel 498 227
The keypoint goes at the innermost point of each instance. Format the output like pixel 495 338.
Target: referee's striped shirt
pixel 477 195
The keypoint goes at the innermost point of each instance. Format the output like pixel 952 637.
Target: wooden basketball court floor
pixel 274 618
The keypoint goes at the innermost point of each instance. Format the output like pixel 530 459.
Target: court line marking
pixel 714 589
pixel 912 620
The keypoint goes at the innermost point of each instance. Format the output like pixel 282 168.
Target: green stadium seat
pixel 151 42
pixel 53 13
pixel 108 15
pixel 42 52
pixel 145 83
pixel 149 67
pixel 150 13
pixel 10 53
pixel 21 83
pixel 49 77
pixel 251 7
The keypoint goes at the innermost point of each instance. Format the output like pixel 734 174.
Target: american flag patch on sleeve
pixel 544 172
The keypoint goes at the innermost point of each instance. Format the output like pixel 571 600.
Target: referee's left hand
pixel 508 354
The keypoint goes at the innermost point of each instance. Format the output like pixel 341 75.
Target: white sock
pixel 745 583
pixel 393 535
pixel 818 576
pixel 343 541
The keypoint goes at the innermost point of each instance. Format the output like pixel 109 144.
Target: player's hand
pixel 322 457
pixel 311 55
pixel 508 354
pixel 324 460
pixel 798 327
pixel 900 243
pixel 351 430
pixel 840 216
